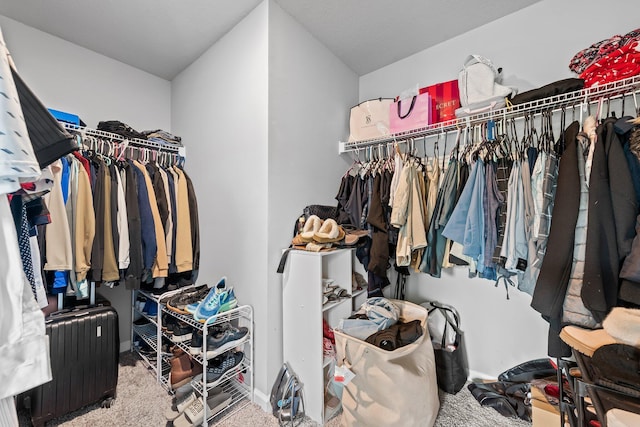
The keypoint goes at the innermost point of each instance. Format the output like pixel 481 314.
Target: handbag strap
pixel 413 103
pixel 283 259
pixel 455 326
pixel 359 353
pixel 455 323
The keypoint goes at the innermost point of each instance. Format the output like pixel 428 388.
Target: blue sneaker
pixel 193 307
pixel 227 301
pixel 210 305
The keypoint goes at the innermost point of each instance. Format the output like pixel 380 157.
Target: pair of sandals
pixel 334 293
pixel 509 399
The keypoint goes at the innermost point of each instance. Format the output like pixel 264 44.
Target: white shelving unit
pixel 303 313
pixel 238 382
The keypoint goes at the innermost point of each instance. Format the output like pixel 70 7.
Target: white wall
pixel 534 47
pixel 310 93
pixel 219 107
pixel 70 78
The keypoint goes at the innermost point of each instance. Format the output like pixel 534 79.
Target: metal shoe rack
pixel 238 382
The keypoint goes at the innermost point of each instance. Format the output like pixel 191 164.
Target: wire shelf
pixel 142 143
pixel 625 87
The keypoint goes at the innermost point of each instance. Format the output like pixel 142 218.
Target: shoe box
pixel 543 413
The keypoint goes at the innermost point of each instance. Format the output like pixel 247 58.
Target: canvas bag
pixel 369 119
pixel 479 82
pixel 410 113
pixel 391 388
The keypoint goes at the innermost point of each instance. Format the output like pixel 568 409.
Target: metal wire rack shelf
pixel 587 96
pixel 138 143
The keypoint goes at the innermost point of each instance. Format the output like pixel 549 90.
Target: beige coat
pixel 85 226
pixel 58 242
pixel 408 216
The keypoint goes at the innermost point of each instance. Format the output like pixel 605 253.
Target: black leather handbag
pixel 452 366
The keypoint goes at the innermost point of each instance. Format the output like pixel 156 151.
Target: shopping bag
pixel 410 113
pixel 390 388
pixel 452 366
pixel 369 119
pixel 445 99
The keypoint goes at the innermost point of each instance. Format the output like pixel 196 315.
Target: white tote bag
pixel 390 388
pixel 369 119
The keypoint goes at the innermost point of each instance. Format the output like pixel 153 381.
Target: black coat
pixel 611 220
pixel 612 217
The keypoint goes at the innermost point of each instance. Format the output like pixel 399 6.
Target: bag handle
pixel 413 103
pixel 455 326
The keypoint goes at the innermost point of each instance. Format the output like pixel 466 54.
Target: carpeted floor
pixel 141 402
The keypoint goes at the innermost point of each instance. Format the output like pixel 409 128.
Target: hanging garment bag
pixel 390 388
pixel 84 348
pixel 452 366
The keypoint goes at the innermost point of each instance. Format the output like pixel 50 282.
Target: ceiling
pixel 163 37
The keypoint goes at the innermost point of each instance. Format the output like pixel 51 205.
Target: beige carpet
pixel 141 402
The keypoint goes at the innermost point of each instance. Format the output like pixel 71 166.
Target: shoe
pixel 211 304
pixel 181 370
pixel 195 347
pixel 181 332
pixel 193 414
pixel 230 302
pixel 180 404
pixel 224 364
pixel 227 301
pixel 150 308
pixel 169 324
pixel 178 302
pixel 191 308
pixel 228 338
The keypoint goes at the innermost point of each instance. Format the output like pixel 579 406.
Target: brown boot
pixel 181 370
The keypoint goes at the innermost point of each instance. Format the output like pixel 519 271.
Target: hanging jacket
pixel 168 225
pixel 407 215
pixel 553 279
pixel 97 249
pixel 174 220
pixel 466 224
pixel 612 213
pixel 574 311
pixel 148 235
pixel 160 267
pixel 379 252
pixel 85 226
pixel 433 257
pixel 59 252
pixel 134 271
pixel 159 191
pixel 122 223
pixel 184 246
pixel 193 222
pixel 110 271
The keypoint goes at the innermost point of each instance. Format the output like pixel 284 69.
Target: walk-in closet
pixel 345 213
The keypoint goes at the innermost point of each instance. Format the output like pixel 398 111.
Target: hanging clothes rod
pixel 141 143
pixel 589 95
